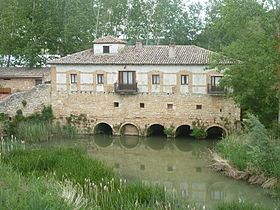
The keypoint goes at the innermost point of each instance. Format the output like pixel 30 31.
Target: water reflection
pixel 103 140
pixel 180 165
pixel 129 142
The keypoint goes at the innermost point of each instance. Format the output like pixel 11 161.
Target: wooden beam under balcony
pixel 126 88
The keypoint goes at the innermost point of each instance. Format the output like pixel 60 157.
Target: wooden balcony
pixel 126 88
pixel 216 90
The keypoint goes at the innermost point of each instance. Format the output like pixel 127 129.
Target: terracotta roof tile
pixel 147 55
pixel 23 72
pixel 109 40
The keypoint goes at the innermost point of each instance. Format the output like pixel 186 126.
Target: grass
pixel 239 206
pixel 22 193
pixel 77 172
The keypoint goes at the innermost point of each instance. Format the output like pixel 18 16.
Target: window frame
pixel 38 82
pixel 155 79
pixel 106 49
pixel 214 82
pixel 73 78
pixel 100 79
pixel 184 79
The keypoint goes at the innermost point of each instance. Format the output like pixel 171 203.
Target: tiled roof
pixel 109 40
pixel 147 55
pixel 23 72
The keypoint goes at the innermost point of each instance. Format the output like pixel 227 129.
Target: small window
pixel 100 78
pixel 7 79
pixel 142 105
pixel 155 79
pixel 106 49
pixel 73 78
pixel 184 79
pixel 116 104
pixel 38 81
pixel 198 106
pixel 142 167
pixel 169 106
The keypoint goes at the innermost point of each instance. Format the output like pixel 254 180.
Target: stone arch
pixel 183 131
pixel 129 129
pixel 155 130
pixel 103 128
pixel 215 131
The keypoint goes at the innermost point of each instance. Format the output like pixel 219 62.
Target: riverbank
pixel 73 180
pixel 252 155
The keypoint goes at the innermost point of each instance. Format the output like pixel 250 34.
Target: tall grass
pixel 81 175
pixel 253 150
pixel 239 206
pixel 42 131
pixel 18 192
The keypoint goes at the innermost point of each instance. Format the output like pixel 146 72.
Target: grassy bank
pixel 66 178
pixel 85 181
pixel 253 150
pixel 36 127
pixel 19 192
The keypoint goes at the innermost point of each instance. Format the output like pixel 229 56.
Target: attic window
pixel 106 49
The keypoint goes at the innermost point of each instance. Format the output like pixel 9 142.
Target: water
pixel 181 165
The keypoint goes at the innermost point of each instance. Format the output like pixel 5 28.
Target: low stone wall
pixel 35 98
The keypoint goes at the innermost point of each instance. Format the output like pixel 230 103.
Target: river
pixel 181 165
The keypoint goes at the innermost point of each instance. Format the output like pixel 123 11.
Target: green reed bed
pixel 85 181
pixel 240 206
pixel 23 193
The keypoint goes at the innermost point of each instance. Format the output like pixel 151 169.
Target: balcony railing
pixel 126 88
pixel 216 90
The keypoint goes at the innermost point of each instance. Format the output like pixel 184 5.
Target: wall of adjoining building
pixel 36 98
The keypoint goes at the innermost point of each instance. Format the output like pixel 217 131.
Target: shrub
pixel 199 130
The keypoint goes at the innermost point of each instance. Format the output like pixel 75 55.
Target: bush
pixel 199 130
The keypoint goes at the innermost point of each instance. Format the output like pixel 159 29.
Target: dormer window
pixel 106 49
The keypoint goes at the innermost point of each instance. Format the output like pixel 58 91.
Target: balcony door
pixel 127 77
pixel 215 80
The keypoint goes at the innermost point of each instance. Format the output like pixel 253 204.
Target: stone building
pixel 15 79
pixel 140 90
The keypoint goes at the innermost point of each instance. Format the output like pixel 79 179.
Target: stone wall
pixel 168 110
pixel 35 98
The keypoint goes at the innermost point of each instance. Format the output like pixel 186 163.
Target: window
pixel 7 78
pixel 198 106
pixel 169 106
pixel 142 105
pixel 100 78
pixel 184 79
pixel 38 81
pixel 106 49
pixel 73 78
pixel 127 77
pixel 155 79
pixel 215 80
pixel 116 104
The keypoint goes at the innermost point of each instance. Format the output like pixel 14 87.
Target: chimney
pixel 138 44
pixel 172 53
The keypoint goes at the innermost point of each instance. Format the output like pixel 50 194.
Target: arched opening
pixel 129 142
pixel 156 130
pixel 183 131
pixel 103 128
pixel 215 132
pixel 129 130
pixel 103 141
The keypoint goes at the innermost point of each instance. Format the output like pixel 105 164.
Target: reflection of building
pixel 132 88
pixel 13 79
pixel 181 172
